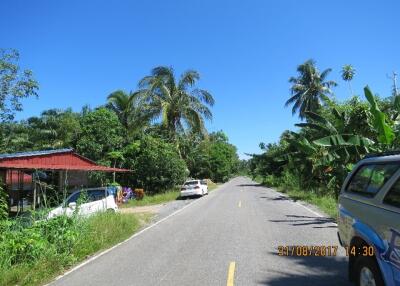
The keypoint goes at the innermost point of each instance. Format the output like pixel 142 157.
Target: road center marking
pixel 240 204
pixel 231 274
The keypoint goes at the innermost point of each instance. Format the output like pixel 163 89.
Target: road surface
pixel 230 237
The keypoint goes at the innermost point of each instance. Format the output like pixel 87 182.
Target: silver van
pixel 369 220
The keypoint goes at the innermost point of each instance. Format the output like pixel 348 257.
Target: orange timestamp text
pixel 307 250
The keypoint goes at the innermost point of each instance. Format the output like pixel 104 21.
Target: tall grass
pixel 154 199
pixel 290 185
pixel 45 250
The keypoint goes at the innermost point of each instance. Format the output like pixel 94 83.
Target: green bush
pixel 19 244
pixel 3 203
pixel 62 232
pixel 156 165
pixel 33 254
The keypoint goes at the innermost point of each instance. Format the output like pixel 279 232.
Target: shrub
pixel 19 244
pixel 156 165
pixel 62 232
pixel 32 254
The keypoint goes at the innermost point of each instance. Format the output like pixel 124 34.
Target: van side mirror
pixel 72 205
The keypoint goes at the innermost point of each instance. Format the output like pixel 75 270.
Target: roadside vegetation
pixel 157 131
pixel 154 199
pixel 312 162
pixel 163 197
pixel 33 253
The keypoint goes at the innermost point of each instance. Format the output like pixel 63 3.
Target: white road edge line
pixel 297 203
pixel 317 214
pixel 115 246
pixel 310 210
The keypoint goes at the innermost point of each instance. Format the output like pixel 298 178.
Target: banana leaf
pixel 332 140
pixel 313 126
pixel 321 120
pixel 385 131
pixel 303 145
pixel 361 141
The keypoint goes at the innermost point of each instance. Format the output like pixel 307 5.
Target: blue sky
pixel 245 51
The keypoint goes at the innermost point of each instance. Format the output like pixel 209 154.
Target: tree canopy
pixel 157 131
pixel 14 84
pixel 309 88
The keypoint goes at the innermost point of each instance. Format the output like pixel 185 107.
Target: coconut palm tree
pixel 132 110
pixel 348 73
pixel 180 105
pixel 309 88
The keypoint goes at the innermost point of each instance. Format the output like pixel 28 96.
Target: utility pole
pixel 395 90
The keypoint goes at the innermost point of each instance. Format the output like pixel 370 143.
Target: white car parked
pixel 94 200
pixel 194 188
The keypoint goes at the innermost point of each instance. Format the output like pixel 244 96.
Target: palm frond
pixel 294 98
pixel 325 73
pixel 204 96
pixel 188 78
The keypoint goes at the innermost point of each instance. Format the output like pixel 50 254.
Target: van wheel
pixel 367 272
pixel 110 211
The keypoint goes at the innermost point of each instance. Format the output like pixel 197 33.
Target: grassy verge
pixel 212 186
pixel 161 198
pixel 326 203
pixel 154 199
pixel 91 235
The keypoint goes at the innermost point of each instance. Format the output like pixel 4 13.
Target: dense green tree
pixel 309 88
pixel 179 104
pixel 15 137
pixel 213 158
pixel 14 84
pixel 54 129
pixel 223 161
pixel 101 133
pixel 156 165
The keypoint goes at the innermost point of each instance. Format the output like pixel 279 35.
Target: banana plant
pixel 307 158
pixel 386 134
pixel 332 137
pixel 335 147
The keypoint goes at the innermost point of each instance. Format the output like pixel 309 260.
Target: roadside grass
pixel 327 203
pixel 212 186
pixel 154 199
pixel 97 233
pixel 93 235
pixel 161 198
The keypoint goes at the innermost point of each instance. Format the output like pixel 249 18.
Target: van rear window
pixel 369 179
pixel 393 196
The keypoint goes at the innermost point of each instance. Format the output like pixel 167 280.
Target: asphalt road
pixel 238 227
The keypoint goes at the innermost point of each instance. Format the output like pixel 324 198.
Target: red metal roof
pixel 63 159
